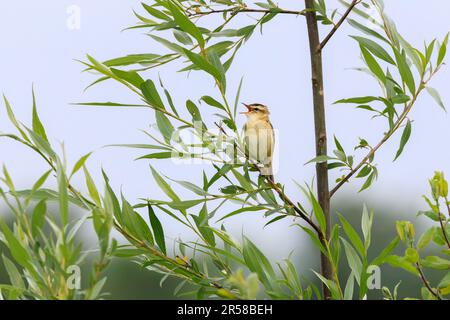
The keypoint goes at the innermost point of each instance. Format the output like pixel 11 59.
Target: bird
pixel 259 137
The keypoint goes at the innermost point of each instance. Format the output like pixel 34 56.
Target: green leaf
pixel 331 285
pixel 63 194
pixel 401 262
pixel 375 49
pixel 412 255
pixel 381 258
pixel 400 99
pixel 348 291
pixel 320 159
pixel 131 59
pixel 353 260
pixel 184 205
pixel 353 236
pixel 212 102
pixel 404 139
pixel 157 155
pixel 187 25
pixel 80 163
pixel 405 71
pixel 318 212
pixel 442 51
pixel 366 30
pixel 201 222
pixel 192 187
pixel 151 94
pixel 258 263
pixel 14 275
pixel 170 45
pixel 203 64
pixel 38 128
pixel 164 185
pixel 193 110
pixel 366 226
pixel 158 230
pixel 93 192
pixel 131 77
pixel 182 37
pixel 358 100
pixel 425 238
pixel 109 104
pixel 241 210
pixel 238 95
pixel 18 252
pixel 13 119
pixel 164 125
pixel 370 179
pixel 156 13
pixel 38 217
pixel 436 96
pixel 364 172
pixel 436 262
pixel 373 65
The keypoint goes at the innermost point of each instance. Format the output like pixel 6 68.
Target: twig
pixel 385 138
pixel 286 199
pixel 338 25
pixel 237 10
pixel 426 283
pixel 443 227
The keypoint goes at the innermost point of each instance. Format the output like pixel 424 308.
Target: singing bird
pixel 259 137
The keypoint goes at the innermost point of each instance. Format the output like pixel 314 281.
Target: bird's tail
pixel 267 172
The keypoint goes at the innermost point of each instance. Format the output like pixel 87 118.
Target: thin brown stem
pixel 323 193
pixel 426 282
pixel 443 226
pixel 338 24
pixel 289 202
pixel 237 10
pixel 373 150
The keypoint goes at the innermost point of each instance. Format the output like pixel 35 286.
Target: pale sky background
pixel 37 47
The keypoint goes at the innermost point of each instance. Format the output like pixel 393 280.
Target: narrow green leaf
pixel 80 163
pixel 187 25
pixel 164 125
pixel 353 236
pixel 158 230
pixel 37 124
pixel 436 96
pixel 164 185
pixel 131 77
pixel 373 65
pixel 38 217
pixel 404 139
pixel 63 194
pixel 375 49
pixel 151 94
pixel 405 71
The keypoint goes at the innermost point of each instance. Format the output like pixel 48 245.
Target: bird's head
pixel 256 111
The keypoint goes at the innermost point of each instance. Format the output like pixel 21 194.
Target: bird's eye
pixel 255 110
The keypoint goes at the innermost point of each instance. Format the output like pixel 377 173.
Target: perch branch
pixel 338 24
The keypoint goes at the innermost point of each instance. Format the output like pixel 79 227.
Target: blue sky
pixel 37 47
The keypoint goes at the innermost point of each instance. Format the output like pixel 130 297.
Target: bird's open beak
pixel 249 109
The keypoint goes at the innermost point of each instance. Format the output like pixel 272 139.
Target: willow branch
pixel 235 11
pixel 338 24
pixel 426 282
pixel 385 138
pixel 443 226
pixel 303 215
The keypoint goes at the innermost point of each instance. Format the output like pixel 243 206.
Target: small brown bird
pixel 259 137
